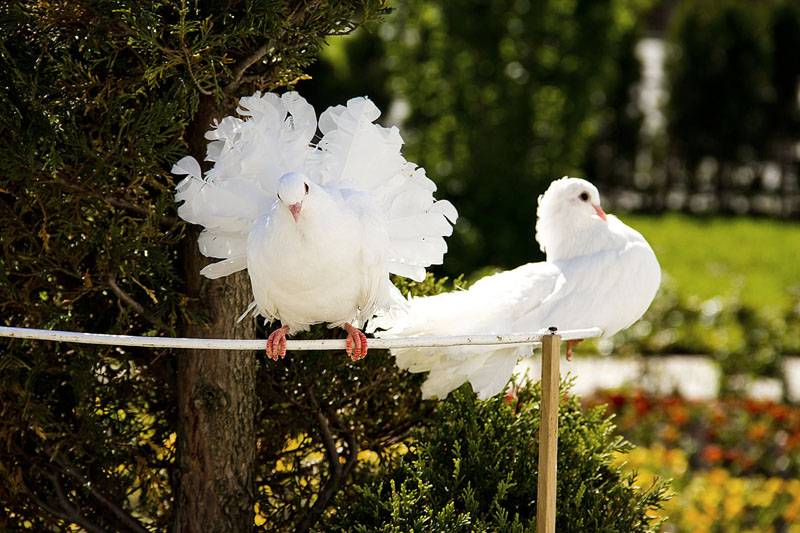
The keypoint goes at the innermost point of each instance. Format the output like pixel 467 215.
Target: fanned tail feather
pixel 357 153
pixel 249 157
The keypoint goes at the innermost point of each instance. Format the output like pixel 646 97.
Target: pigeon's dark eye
pixel 306 186
pixel 584 196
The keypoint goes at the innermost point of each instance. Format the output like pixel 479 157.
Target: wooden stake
pixel 548 434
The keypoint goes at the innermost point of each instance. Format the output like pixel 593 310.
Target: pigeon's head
pixel 293 188
pixel 568 212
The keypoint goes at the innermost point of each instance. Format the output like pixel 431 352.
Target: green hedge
pixel 473 467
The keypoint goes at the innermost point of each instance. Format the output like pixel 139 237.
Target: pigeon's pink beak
pixel 295 210
pixel 600 212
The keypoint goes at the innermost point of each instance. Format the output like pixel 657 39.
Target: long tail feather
pixel 453 313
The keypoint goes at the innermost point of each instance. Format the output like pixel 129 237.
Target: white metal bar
pixel 259 344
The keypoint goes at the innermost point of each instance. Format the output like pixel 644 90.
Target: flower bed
pixel 715 499
pixel 746 437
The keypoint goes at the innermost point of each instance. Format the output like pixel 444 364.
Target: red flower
pixel 754 406
pixel 642 404
pixel 617 399
pixel 733 455
pixel 671 400
pixel 511 397
pixel 780 412
pixel 712 453
pixel 677 414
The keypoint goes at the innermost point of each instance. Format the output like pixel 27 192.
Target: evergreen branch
pixel 395 435
pixel 338 472
pixel 133 208
pixel 136 306
pixel 69 511
pixel 327 435
pixel 352 447
pixel 164 220
pixel 241 67
pixel 194 78
pixel 182 31
pixel 250 78
pixel 48 508
pixel 125 519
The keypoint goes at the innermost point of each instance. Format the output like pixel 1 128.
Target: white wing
pixel 609 289
pixel 355 153
pixel 492 305
pixel 249 157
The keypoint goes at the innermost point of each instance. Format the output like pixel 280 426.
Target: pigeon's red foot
pixel 276 343
pixel 356 344
pixel 570 346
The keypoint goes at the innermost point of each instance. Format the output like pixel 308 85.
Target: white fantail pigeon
pixel 319 226
pixel 599 273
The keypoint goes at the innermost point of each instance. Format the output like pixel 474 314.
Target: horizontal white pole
pixel 259 344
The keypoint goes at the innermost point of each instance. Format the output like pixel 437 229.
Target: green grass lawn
pixel 757 259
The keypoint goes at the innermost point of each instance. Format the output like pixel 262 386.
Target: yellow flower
pixel 733 506
pixel 368 456
pixel 260 519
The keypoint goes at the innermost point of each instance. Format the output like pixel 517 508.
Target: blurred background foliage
pixel 682 106
pixel 715 499
pixel 495 100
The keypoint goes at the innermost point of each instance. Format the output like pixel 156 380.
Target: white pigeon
pixel 319 226
pixel 599 273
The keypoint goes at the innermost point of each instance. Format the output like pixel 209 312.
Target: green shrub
pixel 99 98
pixel 473 467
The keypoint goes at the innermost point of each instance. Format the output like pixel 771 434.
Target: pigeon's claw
pixel 276 343
pixel 356 343
pixel 570 345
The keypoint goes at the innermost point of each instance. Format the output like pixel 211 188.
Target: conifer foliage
pixel 474 468
pixel 97 99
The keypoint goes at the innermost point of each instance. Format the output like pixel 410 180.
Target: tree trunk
pixel 214 489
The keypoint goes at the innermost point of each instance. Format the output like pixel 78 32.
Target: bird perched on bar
pixel 598 273
pixel 319 225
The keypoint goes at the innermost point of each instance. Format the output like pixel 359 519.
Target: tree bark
pixel 214 487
